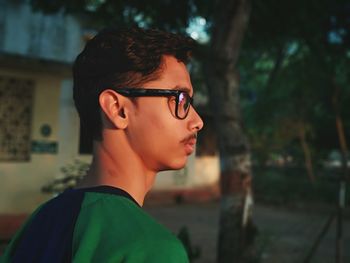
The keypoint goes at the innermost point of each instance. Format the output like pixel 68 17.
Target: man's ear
pixel 113 106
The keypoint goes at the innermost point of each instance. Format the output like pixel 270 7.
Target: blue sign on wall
pixel 44 147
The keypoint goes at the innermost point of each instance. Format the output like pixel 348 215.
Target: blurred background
pixel 269 181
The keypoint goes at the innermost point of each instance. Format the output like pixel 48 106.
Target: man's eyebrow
pixel 188 90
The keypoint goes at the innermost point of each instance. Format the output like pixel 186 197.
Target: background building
pixel 39 127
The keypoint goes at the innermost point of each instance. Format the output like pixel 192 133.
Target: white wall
pixel 21 181
pixel 54 37
pixel 199 172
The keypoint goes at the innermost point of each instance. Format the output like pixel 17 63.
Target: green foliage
pixel 290 186
pixel 294 57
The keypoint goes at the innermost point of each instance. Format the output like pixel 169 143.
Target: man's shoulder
pixel 46 234
pixel 123 229
pixel 123 233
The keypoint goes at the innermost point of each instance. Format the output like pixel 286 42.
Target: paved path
pixel 285 236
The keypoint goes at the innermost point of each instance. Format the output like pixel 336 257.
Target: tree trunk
pixel 307 152
pixel 339 255
pixel 341 136
pixel 340 129
pixel 236 231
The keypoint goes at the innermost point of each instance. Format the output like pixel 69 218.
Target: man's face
pixel 161 140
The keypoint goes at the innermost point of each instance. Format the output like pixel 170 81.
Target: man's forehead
pixel 174 75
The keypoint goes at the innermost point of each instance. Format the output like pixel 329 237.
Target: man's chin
pixel 174 166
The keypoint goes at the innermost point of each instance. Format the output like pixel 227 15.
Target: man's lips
pixel 190 143
pixel 192 138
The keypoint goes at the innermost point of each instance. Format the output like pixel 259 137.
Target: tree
pixel 236 231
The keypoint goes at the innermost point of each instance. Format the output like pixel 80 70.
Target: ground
pixel 286 235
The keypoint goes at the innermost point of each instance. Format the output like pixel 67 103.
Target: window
pixel 16 99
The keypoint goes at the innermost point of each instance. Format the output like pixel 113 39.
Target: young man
pixel 134 94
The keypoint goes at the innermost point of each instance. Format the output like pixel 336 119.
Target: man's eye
pixel 182 97
pixel 172 100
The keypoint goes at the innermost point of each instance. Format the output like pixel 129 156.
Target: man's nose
pixel 196 122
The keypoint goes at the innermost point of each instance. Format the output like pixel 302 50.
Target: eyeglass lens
pixel 183 104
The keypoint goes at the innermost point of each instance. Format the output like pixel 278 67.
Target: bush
pixel 290 185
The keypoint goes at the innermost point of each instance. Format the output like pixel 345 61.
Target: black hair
pixel 117 58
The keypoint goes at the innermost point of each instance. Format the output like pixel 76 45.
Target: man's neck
pixel 120 169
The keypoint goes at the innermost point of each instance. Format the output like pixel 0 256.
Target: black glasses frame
pixel 140 92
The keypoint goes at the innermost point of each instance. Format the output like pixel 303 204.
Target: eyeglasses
pixel 182 98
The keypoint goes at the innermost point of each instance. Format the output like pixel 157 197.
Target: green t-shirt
pixel 100 224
